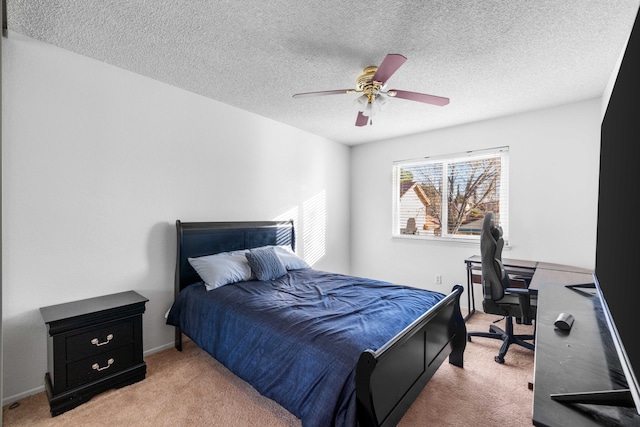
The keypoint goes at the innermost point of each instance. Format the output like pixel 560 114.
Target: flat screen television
pixel 617 276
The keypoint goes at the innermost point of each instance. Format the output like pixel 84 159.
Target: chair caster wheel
pixel 468 338
pixel 499 359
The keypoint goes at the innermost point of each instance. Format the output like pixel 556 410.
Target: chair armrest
pixel 518 291
pixel 525 280
pixel 524 300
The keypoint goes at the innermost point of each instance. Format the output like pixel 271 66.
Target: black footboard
pixel 389 380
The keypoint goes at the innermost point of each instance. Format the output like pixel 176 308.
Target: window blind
pixel 448 196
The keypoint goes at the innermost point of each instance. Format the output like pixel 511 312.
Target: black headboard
pixel 207 238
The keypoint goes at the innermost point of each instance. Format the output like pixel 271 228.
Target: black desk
pixel 583 359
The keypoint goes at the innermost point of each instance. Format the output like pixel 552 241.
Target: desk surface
pixel 584 359
pixel 507 262
pixel 562 267
pixel 524 263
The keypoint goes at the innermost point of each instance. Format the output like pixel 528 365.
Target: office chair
pixel 410 228
pixel 499 296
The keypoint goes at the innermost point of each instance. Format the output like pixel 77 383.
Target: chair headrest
pixel 489 226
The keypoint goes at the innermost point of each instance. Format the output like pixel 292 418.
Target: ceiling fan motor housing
pixel 365 83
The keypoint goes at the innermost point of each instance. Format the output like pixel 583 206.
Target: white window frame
pixel 446 160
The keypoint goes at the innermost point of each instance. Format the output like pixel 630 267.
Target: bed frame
pixel 387 380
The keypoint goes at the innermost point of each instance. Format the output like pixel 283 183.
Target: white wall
pixel 554 158
pixel 98 164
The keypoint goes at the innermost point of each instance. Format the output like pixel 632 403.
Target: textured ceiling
pixel 491 58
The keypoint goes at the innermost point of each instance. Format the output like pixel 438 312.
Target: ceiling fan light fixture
pixel 382 101
pixel 362 102
pixel 368 110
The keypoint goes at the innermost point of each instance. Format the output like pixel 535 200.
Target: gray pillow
pixel 265 264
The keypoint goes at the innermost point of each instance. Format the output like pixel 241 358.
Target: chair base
pixel 506 336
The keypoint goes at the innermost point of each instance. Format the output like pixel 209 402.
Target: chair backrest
pixel 494 278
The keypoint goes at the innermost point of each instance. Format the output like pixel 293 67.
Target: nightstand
pixel 93 345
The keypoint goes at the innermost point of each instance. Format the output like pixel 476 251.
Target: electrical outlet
pixel 438 279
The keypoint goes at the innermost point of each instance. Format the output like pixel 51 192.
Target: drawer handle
pixel 98 368
pixel 97 343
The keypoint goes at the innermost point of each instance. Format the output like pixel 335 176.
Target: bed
pixel 332 349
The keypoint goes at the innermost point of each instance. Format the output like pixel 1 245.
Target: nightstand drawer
pixel 99 340
pixel 100 366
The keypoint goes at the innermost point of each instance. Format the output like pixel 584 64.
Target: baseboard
pixel 9 400
pixel 15 397
pixel 157 349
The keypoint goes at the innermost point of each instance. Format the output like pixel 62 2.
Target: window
pixel 447 197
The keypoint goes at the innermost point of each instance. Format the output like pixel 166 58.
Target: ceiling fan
pixel 372 84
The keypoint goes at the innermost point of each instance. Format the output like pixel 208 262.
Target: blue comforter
pixel 297 339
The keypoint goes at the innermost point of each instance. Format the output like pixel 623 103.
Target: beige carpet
pixel 192 388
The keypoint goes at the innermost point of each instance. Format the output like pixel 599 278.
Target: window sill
pixel 453 241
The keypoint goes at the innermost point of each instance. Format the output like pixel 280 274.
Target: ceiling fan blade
pixel 420 97
pixel 362 120
pixel 389 65
pixel 322 93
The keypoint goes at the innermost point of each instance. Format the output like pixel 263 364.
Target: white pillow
pixel 223 268
pixel 290 259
